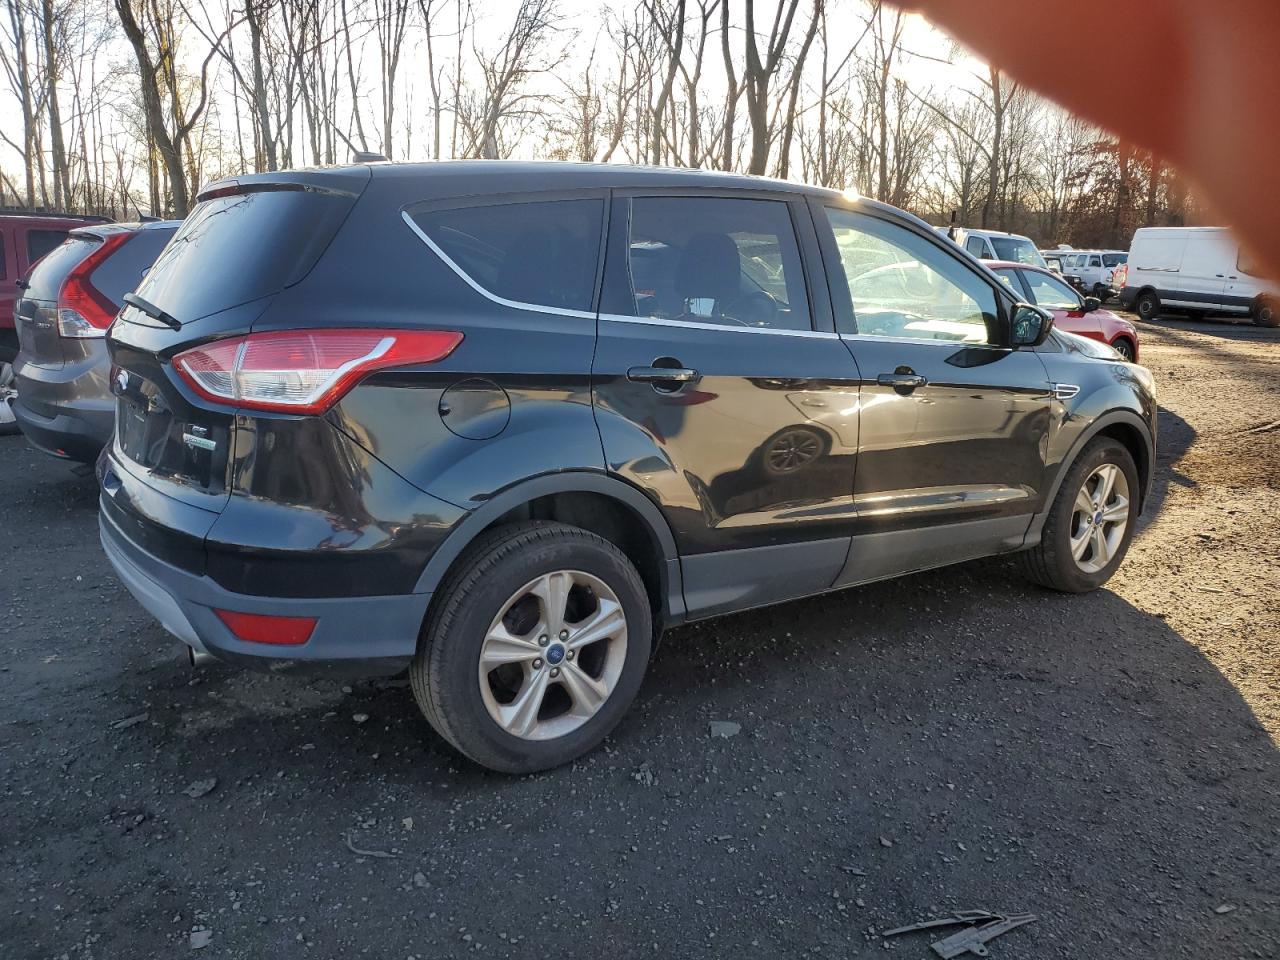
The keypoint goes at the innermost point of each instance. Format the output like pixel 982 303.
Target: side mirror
pixel 1031 325
pixel 1091 304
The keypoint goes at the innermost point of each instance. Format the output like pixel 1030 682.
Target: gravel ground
pixel 951 740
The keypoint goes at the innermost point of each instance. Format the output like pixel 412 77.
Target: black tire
pixel 1147 305
pixel 1123 347
pixel 444 673
pixel 1050 563
pixel 1100 292
pixel 1266 312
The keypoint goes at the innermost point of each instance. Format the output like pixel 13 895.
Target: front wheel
pixel 1123 347
pixel 1090 524
pixel 536 647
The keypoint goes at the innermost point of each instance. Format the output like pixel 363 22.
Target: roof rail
pixel 12 211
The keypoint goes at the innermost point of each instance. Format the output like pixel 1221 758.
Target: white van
pixel 1198 269
pixel 1095 269
pixel 997 245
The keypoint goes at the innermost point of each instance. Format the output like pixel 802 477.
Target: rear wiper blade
pixel 152 311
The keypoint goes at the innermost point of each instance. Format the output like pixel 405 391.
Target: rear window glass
pixel 542 252
pixel 123 271
pixel 41 242
pixel 47 275
pixel 237 248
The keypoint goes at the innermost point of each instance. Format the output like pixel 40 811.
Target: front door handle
pixel 901 380
pixel 665 375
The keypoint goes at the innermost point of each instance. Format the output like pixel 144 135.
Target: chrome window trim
pixel 503 301
pixel 718 327
pixel 931 341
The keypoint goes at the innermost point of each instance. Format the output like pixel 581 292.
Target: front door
pixel 719 394
pixel 951 453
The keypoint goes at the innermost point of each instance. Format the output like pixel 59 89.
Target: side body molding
pixel 575 481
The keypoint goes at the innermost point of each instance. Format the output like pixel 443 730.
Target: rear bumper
pixel 354 636
pixel 66 411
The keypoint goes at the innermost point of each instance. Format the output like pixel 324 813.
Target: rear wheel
pixel 1147 305
pixel 1090 524
pixel 536 648
pixel 8 397
pixel 1264 312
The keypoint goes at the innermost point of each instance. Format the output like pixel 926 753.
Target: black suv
pixel 501 423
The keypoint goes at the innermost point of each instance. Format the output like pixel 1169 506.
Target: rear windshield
pixel 47 275
pixel 237 248
pixel 1017 251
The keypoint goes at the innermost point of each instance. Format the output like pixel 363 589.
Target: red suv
pixel 24 239
pixel 1072 311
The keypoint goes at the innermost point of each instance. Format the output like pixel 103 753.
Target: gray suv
pixel 64 404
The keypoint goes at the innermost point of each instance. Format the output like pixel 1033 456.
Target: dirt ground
pixel 958 739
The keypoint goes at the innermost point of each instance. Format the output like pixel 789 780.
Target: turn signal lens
pixel 261 628
pixel 303 371
pixel 83 310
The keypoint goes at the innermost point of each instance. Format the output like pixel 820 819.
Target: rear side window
pixel 542 253
pixel 46 277
pixel 41 242
pixel 720 260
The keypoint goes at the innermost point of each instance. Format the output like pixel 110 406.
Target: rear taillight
pixel 263 628
pixel 83 310
pixel 303 371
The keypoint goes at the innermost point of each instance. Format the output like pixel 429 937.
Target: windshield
pixel 1018 250
pixel 1114 259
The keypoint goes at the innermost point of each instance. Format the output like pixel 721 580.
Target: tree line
pixel 125 107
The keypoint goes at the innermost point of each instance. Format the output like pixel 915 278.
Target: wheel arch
pixel 1127 428
pixel 603 504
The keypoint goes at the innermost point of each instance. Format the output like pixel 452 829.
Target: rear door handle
pixel 901 381
pixel 662 375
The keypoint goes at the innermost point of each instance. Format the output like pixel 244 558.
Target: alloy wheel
pixel 8 395
pixel 1100 518
pixel 553 655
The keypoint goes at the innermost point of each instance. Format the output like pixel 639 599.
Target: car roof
pixel 35 219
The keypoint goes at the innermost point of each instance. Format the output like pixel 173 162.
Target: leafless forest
pixel 125 107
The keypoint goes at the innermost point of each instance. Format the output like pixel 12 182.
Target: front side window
pixel 1017 251
pixel 1050 292
pixel 1095 261
pixel 542 252
pixel 716 260
pixel 40 242
pixel 1246 263
pixel 902 285
pixel 975 246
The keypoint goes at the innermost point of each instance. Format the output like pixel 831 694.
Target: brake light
pixel 303 371
pixel 261 628
pixel 83 309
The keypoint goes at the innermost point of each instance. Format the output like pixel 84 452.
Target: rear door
pixel 950 456
pixel 722 391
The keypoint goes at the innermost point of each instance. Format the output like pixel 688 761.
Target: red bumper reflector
pixel 260 628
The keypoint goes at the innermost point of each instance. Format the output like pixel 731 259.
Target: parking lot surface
pixel 952 740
